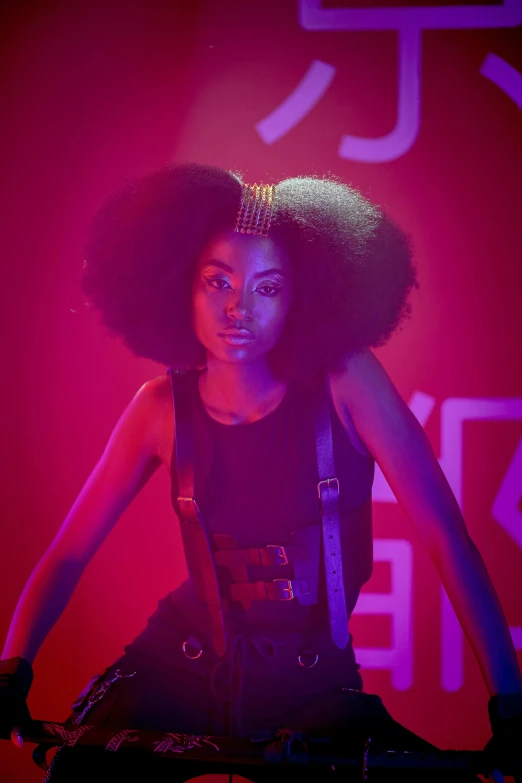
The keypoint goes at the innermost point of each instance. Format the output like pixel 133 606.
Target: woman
pixel 273 296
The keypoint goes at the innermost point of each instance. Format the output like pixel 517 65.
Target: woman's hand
pixel 16 676
pixel 504 750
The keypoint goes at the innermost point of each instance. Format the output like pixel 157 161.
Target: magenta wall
pixel 94 92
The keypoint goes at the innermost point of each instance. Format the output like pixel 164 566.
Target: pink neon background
pixel 96 92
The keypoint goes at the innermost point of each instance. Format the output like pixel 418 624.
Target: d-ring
pixel 191 657
pixel 304 664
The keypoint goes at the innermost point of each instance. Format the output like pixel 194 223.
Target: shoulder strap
pixel 328 491
pixel 183 383
pixel 198 553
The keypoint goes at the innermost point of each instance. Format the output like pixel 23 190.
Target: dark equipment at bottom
pixel 281 756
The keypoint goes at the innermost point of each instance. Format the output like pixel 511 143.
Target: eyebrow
pixel 226 268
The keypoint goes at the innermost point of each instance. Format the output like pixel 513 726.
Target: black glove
pixel 504 750
pixel 16 676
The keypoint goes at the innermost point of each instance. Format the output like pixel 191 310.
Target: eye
pixel 268 289
pixel 219 283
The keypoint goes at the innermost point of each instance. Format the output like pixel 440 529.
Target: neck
pixel 239 393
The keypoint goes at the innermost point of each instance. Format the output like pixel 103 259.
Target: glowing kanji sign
pixel 409 22
pixel 505 511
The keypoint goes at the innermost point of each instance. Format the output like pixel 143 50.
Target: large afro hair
pixel 352 266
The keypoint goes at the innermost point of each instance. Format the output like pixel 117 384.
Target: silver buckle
pixel 327 482
pixel 308 666
pixel 287 589
pixel 281 556
pixel 192 505
pixel 191 657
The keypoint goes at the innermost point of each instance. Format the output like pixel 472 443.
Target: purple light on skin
pixel 421 405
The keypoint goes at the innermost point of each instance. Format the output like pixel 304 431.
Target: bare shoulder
pixel 401 448
pixel 364 384
pixel 155 399
pixel 156 389
pixel 364 393
pixel 361 371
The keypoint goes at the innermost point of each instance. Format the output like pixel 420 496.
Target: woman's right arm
pixel 130 458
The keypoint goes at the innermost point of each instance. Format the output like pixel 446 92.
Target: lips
pixel 237 336
pixel 238 333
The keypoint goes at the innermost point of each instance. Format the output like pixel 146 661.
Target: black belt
pixel 270 555
pixel 274 590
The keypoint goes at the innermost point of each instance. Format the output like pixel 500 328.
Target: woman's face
pixel 241 296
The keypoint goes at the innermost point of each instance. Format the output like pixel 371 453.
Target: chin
pixel 237 355
pixel 233 354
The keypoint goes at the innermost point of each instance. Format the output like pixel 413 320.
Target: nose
pixel 238 310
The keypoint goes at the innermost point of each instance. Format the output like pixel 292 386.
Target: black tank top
pixel 257 482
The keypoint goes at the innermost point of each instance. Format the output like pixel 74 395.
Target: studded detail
pixel 255 212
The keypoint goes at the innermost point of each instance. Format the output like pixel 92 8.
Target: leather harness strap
pixel 198 553
pixel 328 491
pixel 274 590
pixel 202 562
pixel 269 555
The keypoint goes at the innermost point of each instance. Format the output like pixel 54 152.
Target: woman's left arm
pixel 402 450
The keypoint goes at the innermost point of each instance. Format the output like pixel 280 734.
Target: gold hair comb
pixel 255 212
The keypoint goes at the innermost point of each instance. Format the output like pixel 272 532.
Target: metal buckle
pixel 191 657
pixel 281 557
pixel 308 666
pixel 192 509
pixel 327 482
pixel 287 589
